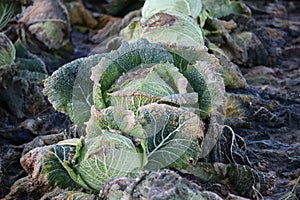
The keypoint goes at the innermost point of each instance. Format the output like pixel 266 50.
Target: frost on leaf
pixel 129 56
pixel 146 112
pixel 172 136
pixel 70 92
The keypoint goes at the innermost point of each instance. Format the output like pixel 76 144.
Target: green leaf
pixel 127 57
pixel 172 136
pixel 188 101
pixel 103 157
pixel 69 88
pixel 30 66
pixel 120 120
pixel 92 126
pixel 7 51
pixel 168 27
pixel 202 72
pixel 57 175
pixel 147 85
pixel 187 7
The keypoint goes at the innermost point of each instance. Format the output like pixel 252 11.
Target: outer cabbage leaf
pixel 187 7
pixel 52 32
pixel 172 136
pixel 66 93
pixel 92 126
pixel 30 66
pixel 7 51
pixel 127 57
pixel 103 157
pixel 202 71
pixel 215 97
pixel 57 175
pixel 167 27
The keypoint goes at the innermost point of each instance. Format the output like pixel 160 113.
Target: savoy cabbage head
pixel 146 108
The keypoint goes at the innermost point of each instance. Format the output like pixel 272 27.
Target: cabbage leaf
pixel 172 136
pixel 187 7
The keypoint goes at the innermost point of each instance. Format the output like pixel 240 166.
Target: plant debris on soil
pixel 262 108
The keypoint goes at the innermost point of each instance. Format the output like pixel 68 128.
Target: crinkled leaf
pixel 30 66
pixel 82 97
pixel 172 135
pixel 202 71
pixel 188 7
pixel 211 103
pixel 127 57
pixel 69 94
pixel 166 184
pixel 184 55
